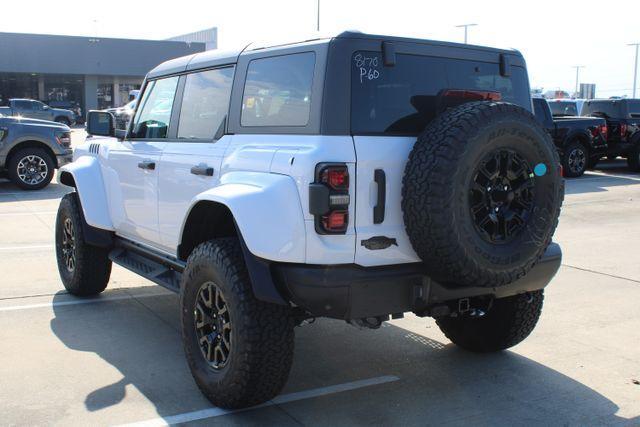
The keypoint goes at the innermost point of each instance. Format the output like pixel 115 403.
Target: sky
pixel 553 36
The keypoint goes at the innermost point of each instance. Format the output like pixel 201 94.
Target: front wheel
pixel 507 322
pixel 31 168
pixel 84 269
pixel 239 349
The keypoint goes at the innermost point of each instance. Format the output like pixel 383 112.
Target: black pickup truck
pixel 623 124
pixel 581 141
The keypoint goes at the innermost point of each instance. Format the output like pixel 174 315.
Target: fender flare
pixel 267 211
pixel 85 175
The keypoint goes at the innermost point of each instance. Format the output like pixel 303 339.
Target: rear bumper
pixel 354 292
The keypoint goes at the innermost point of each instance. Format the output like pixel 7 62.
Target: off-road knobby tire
pixel 92 264
pixel 13 167
pixel 437 184
pixel 263 339
pixel 508 322
pixel 574 145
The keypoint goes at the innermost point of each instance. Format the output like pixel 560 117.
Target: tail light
pixel 329 198
pixel 623 130
pixel 599 130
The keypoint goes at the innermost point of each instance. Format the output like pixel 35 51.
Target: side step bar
pixel 160 269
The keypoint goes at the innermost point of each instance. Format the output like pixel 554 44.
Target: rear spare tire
pixel 481 194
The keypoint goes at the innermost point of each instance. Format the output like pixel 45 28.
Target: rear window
pixel 403 99
pixel 607 109
pixel 277 91
pixel 563 108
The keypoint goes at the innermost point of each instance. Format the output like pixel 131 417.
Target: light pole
pixel 635 68
pixel 318 16
pixel 577 67
pixel 465 26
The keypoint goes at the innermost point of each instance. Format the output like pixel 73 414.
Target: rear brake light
pixel 336 221
pixel 329 198
pixel 337 177
pixel 623 130
pixel 476 95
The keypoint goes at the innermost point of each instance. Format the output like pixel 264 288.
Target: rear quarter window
pixel 277 91
pixel 403 99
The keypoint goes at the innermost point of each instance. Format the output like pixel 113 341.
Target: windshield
pixel 563 108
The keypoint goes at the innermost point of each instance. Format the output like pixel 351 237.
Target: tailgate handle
pixel 378 211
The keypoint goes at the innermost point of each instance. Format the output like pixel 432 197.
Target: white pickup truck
pixel 357 177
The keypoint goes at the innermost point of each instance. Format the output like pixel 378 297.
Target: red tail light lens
pixel 336 221
pixel 329 198
pixel 623 130
pixel 603 131
pixel 336 177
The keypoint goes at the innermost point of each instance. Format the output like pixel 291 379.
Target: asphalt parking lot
pixel 118 359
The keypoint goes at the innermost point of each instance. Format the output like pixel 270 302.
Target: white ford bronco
pixel 357 177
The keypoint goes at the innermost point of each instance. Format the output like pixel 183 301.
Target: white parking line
pixel 21 248
pixel 285 398
pixel 27 213
pixel 83 301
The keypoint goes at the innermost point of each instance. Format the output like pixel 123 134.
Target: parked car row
pixel 586 131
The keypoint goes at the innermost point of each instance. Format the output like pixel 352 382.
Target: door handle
pixel 378 211
pixel 147 164
pixel 202 169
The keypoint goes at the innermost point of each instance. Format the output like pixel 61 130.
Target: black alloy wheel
pixel 501 196
pixel 213 325
pixel 68 245
pixel 577 161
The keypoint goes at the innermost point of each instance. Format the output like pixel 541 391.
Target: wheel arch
pixel 206 220
pixel 32 143
pixel 582 138
pixel 85 176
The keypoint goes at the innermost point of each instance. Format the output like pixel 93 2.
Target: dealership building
pixel 89 72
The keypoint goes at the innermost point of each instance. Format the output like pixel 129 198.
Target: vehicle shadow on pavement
pixel 437 382
pixel 593 183
pixel 51 191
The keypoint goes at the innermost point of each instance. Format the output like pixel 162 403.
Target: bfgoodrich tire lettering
pixel 260 355
pixel 442 179
pixel 84 269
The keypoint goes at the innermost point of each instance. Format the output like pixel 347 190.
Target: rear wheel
pixel 84 269
pixel 481 194
pixel 239 349
pixel 575 159
pixel 509 321
pixel 31 168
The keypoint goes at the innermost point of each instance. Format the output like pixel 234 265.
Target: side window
pixel 153 116
pixel 22 105
pixel 277 91
pixel 205 103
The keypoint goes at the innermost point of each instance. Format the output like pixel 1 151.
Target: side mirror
pixel 46 107
pixel 100 123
